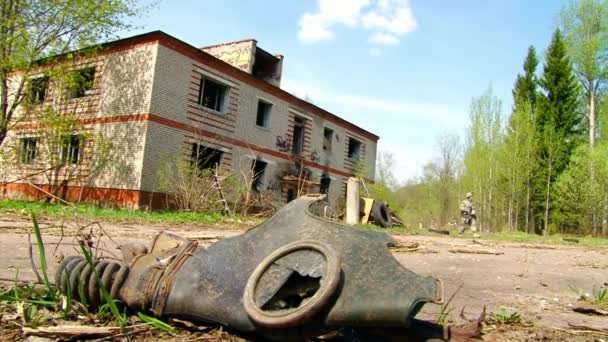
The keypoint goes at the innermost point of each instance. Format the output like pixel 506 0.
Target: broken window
pixel 28 150
pixel 205 157
pixel 324 184
pixel 354 148
pixel 70 149
pixel 263 116
pixel 212 94
pixel 259 167
pixel 328 135
pixel 81 82
pixel 37 89
pixel 297 144
pixel 291 194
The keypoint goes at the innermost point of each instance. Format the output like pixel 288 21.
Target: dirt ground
pixel 536 281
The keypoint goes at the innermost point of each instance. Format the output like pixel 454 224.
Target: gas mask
pixel 294 276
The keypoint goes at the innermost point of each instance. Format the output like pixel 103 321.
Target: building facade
pixel 156 97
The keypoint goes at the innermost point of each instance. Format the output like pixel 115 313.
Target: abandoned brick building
pixel 155 96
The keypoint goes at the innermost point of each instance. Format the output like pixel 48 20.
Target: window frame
pixel 198 159
pixel 350 154
pixel 257 182
pixel 266 115
pixel 222 98
pixel 37 100
pixel 324 184
pixel 327 139
pixel 66 154
pixel 78 89
pixel 300 144
pixel 27 154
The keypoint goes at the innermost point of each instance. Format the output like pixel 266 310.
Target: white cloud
pixel 375 52
pixel 387 20
pixel 315 26
pixel 384 39
pixel 391 16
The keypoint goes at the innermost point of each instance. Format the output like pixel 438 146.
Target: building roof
pixel 207 59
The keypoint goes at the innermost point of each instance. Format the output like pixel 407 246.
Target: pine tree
pixel 558 123
pixel 559 102
pixel 526 85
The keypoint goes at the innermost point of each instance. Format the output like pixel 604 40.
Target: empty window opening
pixel 205 157
pixel 291 194
pixel 37 89
pixel 28 151
pixel 297 144
pixel 263 117
pixel 259 168
pixel 212 94
pixel 81 82
pixel 328 136
pixel 71 147
pixel 354 148
pixel 324 184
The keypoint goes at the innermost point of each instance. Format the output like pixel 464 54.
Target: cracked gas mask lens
pixel 292 284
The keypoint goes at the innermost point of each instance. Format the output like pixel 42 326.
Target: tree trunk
pixel 546 223
pixel 592 114
pixel 605 216
pixel 528 206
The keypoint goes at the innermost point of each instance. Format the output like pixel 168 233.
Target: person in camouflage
pixel 467 214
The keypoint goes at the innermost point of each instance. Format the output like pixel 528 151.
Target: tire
pixel 381 215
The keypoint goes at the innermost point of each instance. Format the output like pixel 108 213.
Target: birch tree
pixel 585 27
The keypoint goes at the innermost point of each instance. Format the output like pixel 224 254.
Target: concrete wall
pixel 238 54
pixel 113 108
pixel 174 97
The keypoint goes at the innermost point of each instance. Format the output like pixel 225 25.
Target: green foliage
pixel 157 323
pixel 92 212
pixel 504 318
pixel 598 296
pixel 485 135
pixel 585 27
pixel 526 85
pixel 41 252
pixel 35 30
pixel 581 190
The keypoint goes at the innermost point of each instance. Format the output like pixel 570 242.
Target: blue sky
pixel 405 70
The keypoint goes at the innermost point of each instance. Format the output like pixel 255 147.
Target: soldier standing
pixel 467 214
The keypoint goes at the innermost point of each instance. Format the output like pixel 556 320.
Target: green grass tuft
pixel 93 212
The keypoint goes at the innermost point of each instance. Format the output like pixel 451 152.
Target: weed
pixel 157 323
pixel 446 309
pixel 504 318
pixel 599 296
pixel 41 252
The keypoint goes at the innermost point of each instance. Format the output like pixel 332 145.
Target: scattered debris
pixel 589 327
pixel 71 331
pixel 475 251
pixel 535 246
pixel 439 231
pixel 590 311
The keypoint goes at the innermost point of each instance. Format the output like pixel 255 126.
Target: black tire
pixel 381 215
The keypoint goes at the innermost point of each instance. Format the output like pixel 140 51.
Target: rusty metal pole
pixel 352 201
